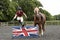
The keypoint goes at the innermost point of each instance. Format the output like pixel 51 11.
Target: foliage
pixel 8 9
pixel 48 15
pixel 57 17
pixel 4 4
pixel 12 10
pixel 28 7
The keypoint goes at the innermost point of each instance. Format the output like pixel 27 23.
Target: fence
pixel 28 23
pixel 52 22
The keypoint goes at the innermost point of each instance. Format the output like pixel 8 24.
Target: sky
pixel 52 6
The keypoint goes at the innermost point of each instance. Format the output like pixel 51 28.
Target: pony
pixel 40 19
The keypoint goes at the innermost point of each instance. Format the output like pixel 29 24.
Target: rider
pixel 19 14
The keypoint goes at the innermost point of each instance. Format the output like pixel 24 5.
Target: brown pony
pixel 39 19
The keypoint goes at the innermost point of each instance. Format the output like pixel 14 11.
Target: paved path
pixel 52 33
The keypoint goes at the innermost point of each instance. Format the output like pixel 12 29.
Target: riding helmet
pixel 19 8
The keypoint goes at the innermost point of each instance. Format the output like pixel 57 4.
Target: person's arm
pixel 25 15
pixel 15 16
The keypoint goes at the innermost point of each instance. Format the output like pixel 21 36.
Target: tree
pixel 28 7
pixel 8 9
pixel 57 17
pixel 12 10
pixel 48 15
pixel 4 4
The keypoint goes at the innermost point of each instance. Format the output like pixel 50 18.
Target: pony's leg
pixel 34 20
pixel 34 24
pixel 43 27
pixel 40 29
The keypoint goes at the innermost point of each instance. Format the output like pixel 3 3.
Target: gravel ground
pixel 52 33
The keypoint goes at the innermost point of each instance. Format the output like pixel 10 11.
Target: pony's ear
pixel 40 7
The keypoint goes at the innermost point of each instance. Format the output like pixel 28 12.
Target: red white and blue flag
pixel 26 31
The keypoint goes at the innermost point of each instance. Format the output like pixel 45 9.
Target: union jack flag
pixel 25 31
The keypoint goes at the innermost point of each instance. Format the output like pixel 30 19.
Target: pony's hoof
pixel 41 35
pixel 42 32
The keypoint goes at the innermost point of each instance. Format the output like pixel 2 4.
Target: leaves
pixel 8 9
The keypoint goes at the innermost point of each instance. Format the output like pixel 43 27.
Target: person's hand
pixel 26 16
